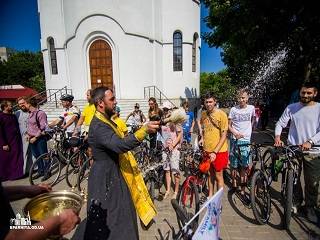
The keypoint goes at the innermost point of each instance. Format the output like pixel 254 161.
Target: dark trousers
pixel 38 148
pixel 311 172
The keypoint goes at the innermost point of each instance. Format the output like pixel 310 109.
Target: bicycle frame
pixel 291 161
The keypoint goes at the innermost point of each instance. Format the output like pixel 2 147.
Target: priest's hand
pixel 152 126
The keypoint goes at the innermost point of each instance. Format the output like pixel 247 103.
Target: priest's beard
pixel 109 112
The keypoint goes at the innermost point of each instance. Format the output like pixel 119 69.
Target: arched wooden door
pixel 100 59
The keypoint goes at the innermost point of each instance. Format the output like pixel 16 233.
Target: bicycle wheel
pixel 188 200
pixel 288 199
pixel 150 184
pixel 180 212
pixel 269 158
pixel 260 197
pixel 73 167
pixel 51 172
pixel 83 175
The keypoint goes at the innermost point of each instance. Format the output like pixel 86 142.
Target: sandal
pixel 166 195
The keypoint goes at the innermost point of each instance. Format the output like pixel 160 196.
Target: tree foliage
pixel 248 30
pixel 220 84
pixel 24 68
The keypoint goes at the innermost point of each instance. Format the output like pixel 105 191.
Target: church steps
pixel 126 106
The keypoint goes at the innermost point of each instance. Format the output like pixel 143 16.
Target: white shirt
pixel 304 125
pixel 68 114
pixel 242 120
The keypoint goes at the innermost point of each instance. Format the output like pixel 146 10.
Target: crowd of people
pixel 114 188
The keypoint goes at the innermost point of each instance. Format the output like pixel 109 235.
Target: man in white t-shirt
pixel 69 116
pixel 241 119
pixel 305 131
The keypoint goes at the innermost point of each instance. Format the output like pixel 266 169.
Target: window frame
pixel 52 56
pixel 177 51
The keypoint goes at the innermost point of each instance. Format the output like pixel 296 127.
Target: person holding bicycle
pixel 138 118
pixel 154 114
pixel 171 136
pixel 215 127
pixel 241 121
pixel 70 116
pixel 37 123
pixel 86 116
pixel 305 131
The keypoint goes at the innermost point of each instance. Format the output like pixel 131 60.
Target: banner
pixel 209 226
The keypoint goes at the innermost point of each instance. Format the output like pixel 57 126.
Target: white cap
pixel 167 105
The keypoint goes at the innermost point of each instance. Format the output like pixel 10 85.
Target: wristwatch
pixel 311 142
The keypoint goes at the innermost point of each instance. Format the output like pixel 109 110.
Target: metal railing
pixel 153 91
pixel 49 95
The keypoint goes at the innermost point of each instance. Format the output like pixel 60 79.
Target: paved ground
pixel 237 220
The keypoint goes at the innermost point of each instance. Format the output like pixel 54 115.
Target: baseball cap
pixel 137 105
pixel 67 97
pixel 167 105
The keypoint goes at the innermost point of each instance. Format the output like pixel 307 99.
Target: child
pixel 171 135
pixel 241 119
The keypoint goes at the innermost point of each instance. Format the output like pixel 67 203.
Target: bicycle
pixel 186 151
pixel 290 157
pixel 78 158
pixel 183 217
pixel 53 161
pixel 193 185
pixel 83 175
pixel 153 173
pixel 260 181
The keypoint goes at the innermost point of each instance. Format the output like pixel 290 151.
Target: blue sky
pixel 20 29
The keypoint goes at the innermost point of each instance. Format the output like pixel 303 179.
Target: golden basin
pixel 51 204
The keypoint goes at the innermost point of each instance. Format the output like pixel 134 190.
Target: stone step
pixel 126 107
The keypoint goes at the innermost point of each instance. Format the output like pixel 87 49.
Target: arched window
pixel 177 51
pixel 194 52
pixel 53 56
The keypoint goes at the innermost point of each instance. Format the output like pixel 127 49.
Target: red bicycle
pixel 194 185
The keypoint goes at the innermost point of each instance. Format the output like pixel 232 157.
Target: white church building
pixel 124 44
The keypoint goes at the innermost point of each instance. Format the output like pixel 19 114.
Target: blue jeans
pixel 38 148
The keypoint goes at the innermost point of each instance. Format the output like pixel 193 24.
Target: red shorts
pixel 220 163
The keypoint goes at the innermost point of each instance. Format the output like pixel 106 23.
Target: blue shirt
pixel 188 123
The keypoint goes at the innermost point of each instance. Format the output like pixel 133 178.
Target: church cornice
pixel 151 40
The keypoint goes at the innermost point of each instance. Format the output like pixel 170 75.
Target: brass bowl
pixel 51 204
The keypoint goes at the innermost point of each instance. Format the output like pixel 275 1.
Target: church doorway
pixel 100 59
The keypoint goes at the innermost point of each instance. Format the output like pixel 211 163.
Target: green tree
pixel 25 68
pixel 248 30
pixel 220 84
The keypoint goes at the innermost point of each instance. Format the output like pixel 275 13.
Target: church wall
pixel 132 68
pixel 182 16
pixel 140 34
pixel 51 22
pixel 135 17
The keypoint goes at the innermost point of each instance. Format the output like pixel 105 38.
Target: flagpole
pixel 201 209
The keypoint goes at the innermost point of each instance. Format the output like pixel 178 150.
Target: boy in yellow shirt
pixel 214 123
